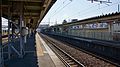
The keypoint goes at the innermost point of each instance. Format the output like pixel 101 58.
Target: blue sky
pixel 77 9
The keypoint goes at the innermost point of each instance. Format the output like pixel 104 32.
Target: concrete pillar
pixel 110 24
pixel 83 30
pixel 111 29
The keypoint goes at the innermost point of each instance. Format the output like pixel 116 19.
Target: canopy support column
pixel 21 37
pixel 9 39
pixel 1 49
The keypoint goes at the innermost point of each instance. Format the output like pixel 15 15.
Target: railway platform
pixel 37 54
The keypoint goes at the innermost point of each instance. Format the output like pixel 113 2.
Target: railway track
pixel 101 57
pixel 93 54
pixel 68 60
pixel 87 58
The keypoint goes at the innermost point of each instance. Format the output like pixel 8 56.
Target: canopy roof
pixel 32 10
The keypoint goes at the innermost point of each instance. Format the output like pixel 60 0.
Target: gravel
pixel 86 59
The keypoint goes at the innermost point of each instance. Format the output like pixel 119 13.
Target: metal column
pixel 9 39
pixel 12 38
pixel 21 37
pixel 1 51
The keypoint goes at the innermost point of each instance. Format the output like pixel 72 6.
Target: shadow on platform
pixel 30 58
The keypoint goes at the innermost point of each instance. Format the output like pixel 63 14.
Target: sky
pixel 78 9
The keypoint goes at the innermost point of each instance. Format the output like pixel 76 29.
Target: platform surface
pixel 38 54
pixel 46 57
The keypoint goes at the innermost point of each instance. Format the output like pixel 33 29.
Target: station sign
pixel 96 25
pixel 91 26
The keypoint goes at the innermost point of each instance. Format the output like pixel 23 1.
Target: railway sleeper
pixel 71 63
pixel 93 47
pixel 69 60
pixel 74 66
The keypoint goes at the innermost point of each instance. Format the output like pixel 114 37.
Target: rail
pixel 91 50
pixel 68 60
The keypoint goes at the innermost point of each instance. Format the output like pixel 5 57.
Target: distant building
pixel 43 26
